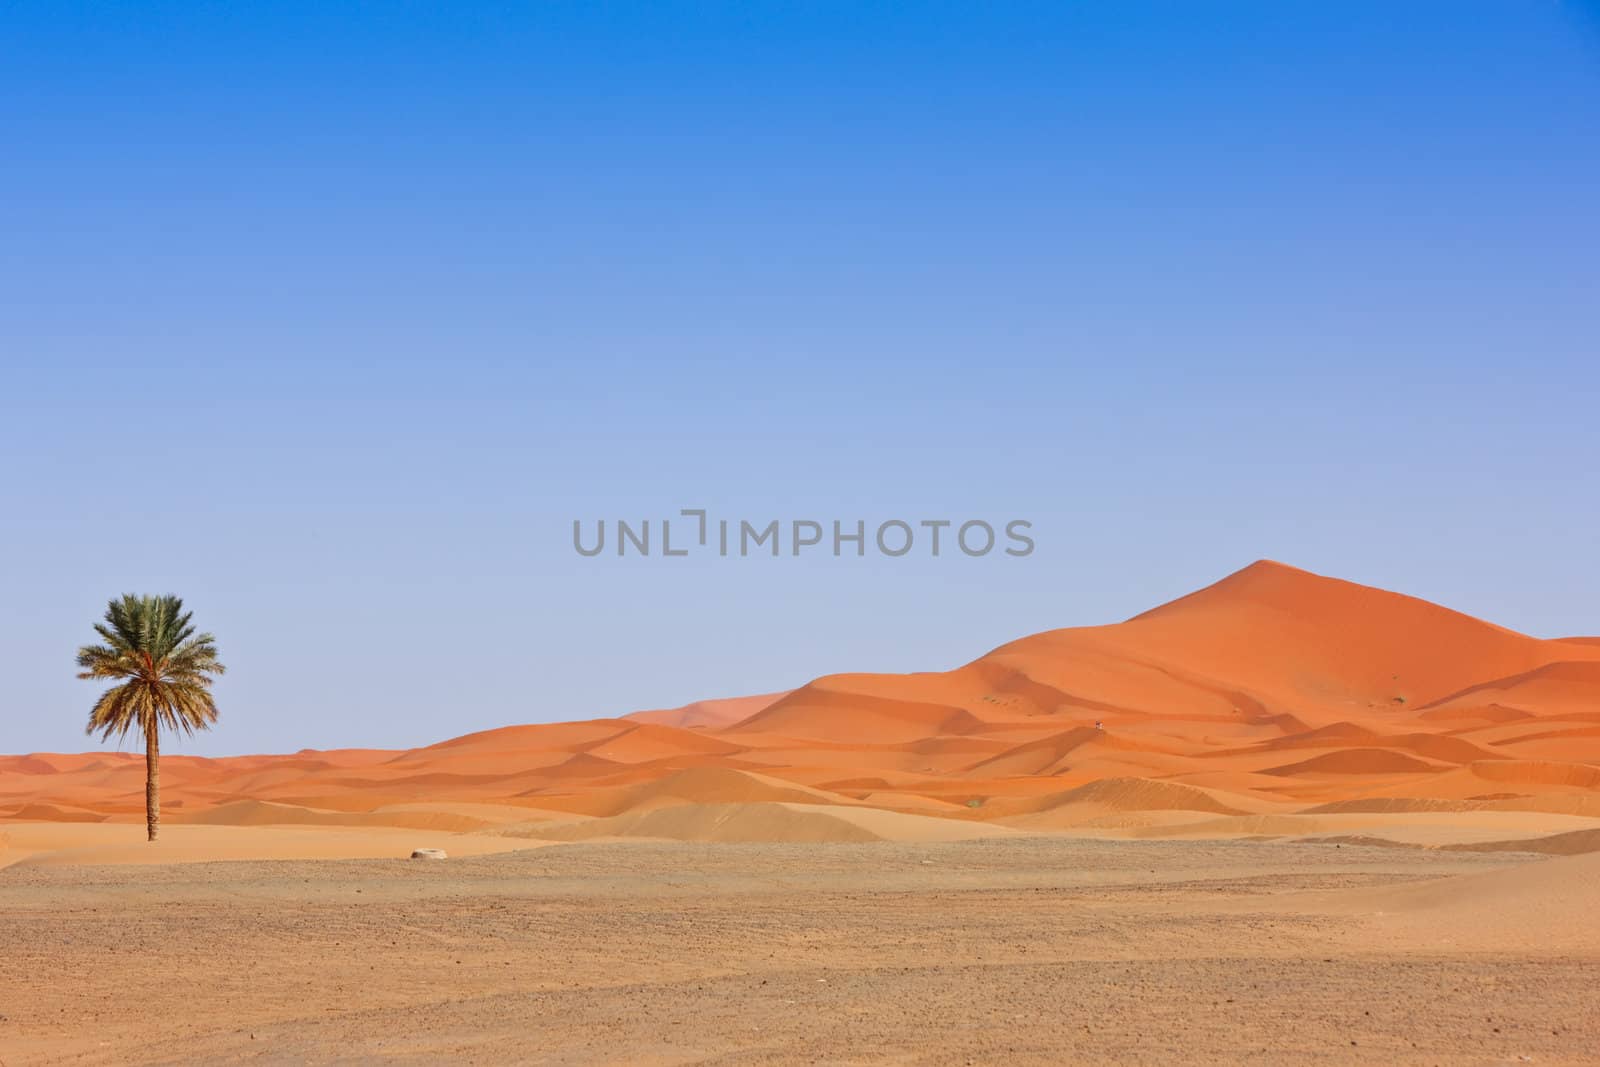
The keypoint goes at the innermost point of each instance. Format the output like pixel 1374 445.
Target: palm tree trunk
pixel 152 777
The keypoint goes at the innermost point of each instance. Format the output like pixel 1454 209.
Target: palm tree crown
pixel 167 666
pixel 166 669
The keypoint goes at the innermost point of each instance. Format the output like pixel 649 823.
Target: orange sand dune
pixel 1358 761
pixel 702 785
pixel 1571 843
pixel 767 821
pixel 1272 693
pixel 1093 802
pixel 709 714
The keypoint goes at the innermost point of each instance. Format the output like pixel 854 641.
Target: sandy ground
pixel 1008 949
pixel 96 844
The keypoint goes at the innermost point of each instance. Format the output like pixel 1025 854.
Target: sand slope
pixel 1549 904
pixel 709 714
pixel 754 821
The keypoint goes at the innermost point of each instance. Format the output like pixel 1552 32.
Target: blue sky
pixel 331 318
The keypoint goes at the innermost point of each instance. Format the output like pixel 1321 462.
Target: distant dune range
pixel 1275 702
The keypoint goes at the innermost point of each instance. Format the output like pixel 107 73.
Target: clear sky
pixel 332 318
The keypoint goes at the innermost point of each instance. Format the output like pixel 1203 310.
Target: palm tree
pixel 168 669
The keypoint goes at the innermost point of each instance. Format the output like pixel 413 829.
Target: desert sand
pixel 1016 949
pixel 1283 818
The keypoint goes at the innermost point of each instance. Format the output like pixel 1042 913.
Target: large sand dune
pixel 1274 694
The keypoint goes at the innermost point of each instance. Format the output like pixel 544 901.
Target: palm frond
pixel 151 642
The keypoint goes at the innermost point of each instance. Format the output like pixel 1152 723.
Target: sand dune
pixel 767 821
pixel 1571 843
pixel 845 706
pixel 1271 693
pixel 261 813
pixel 1359 761
pixel 51 813
pixel 1095 799
pixel 701 785
pixel 1551 688
pixel 709 714
pixel 1502 780
pixel 1348 735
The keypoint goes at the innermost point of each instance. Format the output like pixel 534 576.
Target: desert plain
pixel 1284 819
